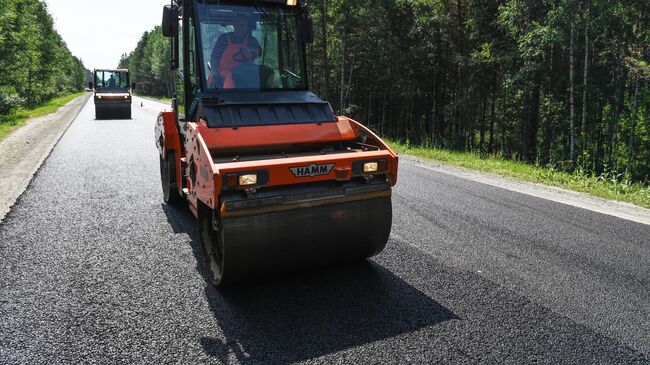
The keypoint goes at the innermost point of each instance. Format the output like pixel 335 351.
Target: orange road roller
pixel 112 93
pixel 276 181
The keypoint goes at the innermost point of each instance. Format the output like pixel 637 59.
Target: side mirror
pixel 133 86
pixel 170 30
pixel 90 85
pixel 170 21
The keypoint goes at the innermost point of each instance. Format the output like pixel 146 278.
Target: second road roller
pixel 276 181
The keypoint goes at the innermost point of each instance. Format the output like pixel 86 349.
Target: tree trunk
pixel 630 147
pixel 572 132
pixel 551 91
pixel 583 126
pixel 368 110
pixel 482 132
pixel 618 99
pixel 493 114
pixel 324 53
pixel 434 130
pixel 530 142
pixel 383 114
pixel 599 155
pixel 342 86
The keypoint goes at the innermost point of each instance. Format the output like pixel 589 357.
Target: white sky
pixel 100 31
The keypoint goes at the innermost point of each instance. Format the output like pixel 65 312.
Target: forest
pixel 557 83
pixel 35 61
pixel 149 64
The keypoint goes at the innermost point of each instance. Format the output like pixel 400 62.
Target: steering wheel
pixel 239 56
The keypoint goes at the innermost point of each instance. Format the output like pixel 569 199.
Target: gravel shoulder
pixel 23 151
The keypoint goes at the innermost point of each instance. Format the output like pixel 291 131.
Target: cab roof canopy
pixel 112 69
pixel 284 2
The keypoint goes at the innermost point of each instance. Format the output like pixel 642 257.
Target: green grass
pixel 181 109
pixel 9 123
pixel 608 186
pixel 161 98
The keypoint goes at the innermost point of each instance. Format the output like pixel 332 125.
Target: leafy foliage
pixel 149 64
pixel 36 63
pixel 484 76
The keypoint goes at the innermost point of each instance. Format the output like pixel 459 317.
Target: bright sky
pixel 100 31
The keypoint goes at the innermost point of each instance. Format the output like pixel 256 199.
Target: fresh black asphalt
pixel 94 268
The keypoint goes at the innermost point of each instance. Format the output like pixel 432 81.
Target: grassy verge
pixel 606 186
pixel 181 109
pixel 161 98
pixel 11 122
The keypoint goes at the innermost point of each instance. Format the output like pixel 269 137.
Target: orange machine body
pixel 211 154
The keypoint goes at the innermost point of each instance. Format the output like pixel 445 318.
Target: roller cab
pixel 112 93
pixel 276 180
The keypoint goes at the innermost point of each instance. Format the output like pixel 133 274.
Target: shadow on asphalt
pixel 300 316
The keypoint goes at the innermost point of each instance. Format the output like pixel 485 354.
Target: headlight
pixel 370 167
pixel 246 179
pixel 250 179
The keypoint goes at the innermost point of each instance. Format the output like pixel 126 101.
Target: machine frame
pixel 260 186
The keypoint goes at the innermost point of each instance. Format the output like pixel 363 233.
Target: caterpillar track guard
pixel 276 181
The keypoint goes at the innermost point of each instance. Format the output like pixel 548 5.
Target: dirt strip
pixel 24 150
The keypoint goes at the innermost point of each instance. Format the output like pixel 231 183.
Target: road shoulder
pixel 24 150
pixel 149 98
pixel 618 209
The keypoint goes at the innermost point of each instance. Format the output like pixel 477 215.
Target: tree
pixel 36 63
pixel 538 81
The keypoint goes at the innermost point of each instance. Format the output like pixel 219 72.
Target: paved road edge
pixel 613 208
pixel 25 150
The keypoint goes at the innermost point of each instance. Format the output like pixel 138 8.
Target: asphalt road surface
pixel 94 268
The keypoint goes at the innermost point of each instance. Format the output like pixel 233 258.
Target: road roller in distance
pixel 276 181
pixel 112 93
